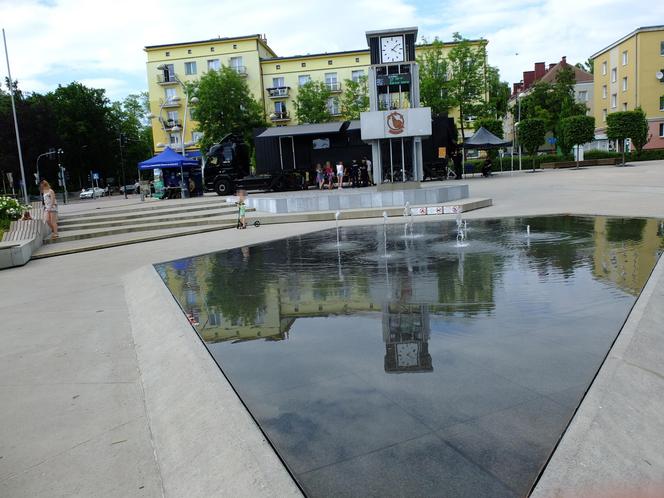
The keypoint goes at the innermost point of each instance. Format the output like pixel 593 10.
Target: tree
pixel 311 104
pixel 499 94
pixel 495 126
pixel 577 130
pixel 225 105
pixel 434 71
pixel 588 66
pixel 467 84
pixel 355 98
pixel 531 135
pixel 641 131
pixel 130 117
pixel 627 124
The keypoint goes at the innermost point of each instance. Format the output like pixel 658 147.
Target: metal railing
pixel 241 70
pixel 280 116
pixel 278 92
pixel 333 86
pixel 170 123
pixel 166 79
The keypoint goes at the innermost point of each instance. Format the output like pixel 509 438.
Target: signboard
pixel 435 210
pixel 95 176
pixel 421 211
pixel 442 152
pixel 452 209
pixel 392 79
pixel 398 123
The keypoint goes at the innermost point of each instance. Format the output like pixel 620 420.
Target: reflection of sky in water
pixel 418 368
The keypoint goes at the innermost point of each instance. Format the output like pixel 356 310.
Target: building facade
pixel 629 73
pixel 274 81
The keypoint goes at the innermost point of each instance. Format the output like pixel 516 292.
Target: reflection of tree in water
pixel 466 284
pixel 563 254
pixel 625 229
pixel 237 283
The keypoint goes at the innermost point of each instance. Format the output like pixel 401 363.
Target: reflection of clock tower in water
pixel 406 337
pixel 395 122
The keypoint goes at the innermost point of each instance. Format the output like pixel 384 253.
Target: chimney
pixel 564 59
pixel 528 79
pixel 540 69
pixel 551 65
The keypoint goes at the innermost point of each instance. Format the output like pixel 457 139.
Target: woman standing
pixel 329 174
pixel 50 208
pixel 320 178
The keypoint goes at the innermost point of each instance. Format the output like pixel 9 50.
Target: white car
pixel 92 192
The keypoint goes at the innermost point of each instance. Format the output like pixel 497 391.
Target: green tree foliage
pixel 577 130
pixel 225 105
pixel 355 98
pixel 467 83
pixel 130 117
pixel 499 94
pixel 311 104
pixel 531 135
pixel 434 71
pixel 588 66
pixel 627 124
pixel 495 126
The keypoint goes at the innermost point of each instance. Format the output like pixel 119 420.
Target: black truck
pixel 286 156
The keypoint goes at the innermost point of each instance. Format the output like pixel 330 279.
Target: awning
pixel 309 129
pixel 484 139
pixel 168 159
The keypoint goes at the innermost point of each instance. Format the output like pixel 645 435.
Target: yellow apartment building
pixel 630 73
pixel 273 80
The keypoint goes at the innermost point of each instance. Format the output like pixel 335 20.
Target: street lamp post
pixel 518 99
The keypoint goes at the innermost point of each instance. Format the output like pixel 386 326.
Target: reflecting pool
pixel 402 363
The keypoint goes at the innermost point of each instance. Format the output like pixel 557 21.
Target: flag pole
pixel 18 138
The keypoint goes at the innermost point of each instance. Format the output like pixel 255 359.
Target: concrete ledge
pixel 614 446
pixel 205 442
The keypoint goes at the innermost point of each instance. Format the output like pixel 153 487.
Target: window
pixel 190 68
pixel 304 64
pixel 303 79
pixel 211 49
pixel 661 48
pixel 278 82
pixel 280 107
pixel 174 138
pixel 170 93
pixel 614 100
pixel 582 96
pixel 329 63
pixel 604 68
pixel 331 81
pixel 356 75
pixel 357 59
pixel 168 72
pixel 237 63
pixel 196 136
pixel 661 129
pixel 624 58
pixel 189 51
pixel 614 75
pixel 661 103
pixel 168 54
pixel 604 114
pixel 172 115
pixel 624 84
pixel 333 106
pixel 624 106
pixel 234 46
pixel 278 66
pixel 604 92
pixel 214 65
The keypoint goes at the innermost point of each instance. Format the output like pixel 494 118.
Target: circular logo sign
pixel 395 123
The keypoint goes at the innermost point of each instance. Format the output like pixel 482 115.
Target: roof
pixel 392 31
pixel 626 37
pixel 322 54
pixel 580 75
pixel 307 129
pixel 484 139
pixel 259 37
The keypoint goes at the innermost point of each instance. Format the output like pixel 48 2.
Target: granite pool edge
pixel 205 442
pixel 614 445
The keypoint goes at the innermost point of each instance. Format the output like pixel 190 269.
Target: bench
pixel 23 238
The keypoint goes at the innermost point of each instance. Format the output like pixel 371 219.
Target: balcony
pixel 333 86
pixel 278 92
pixel 166 79
pixel 171 123
pixel 277 117
pixel 170 103
pixel 241 70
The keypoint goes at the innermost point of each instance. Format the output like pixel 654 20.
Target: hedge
pixel 646 155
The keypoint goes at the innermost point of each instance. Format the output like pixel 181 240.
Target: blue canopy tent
pixel 170 159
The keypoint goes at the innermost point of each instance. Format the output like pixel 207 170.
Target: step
pixel 87 234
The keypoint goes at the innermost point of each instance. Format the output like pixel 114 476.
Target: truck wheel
pixel 222 187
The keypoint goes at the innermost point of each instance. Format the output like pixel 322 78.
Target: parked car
pixel 129 188
pixel 92 192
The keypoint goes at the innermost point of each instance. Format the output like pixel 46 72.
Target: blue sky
pixel 100 43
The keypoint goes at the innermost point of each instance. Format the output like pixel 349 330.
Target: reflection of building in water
pixel 626 251
pixel 406 336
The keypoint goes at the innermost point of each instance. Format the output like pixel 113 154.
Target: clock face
pixel 391 48
pixel 407 354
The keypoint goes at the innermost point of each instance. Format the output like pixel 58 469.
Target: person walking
pixel 369 170
pixel 340 174
pixel 458 165
pixel 320 177
pixel 50 208
pixel 355 174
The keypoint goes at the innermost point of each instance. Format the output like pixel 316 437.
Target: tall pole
pixel 518 98
pixel 18 138
pixel 124 181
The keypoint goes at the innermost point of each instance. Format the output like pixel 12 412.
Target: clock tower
pixel 395 122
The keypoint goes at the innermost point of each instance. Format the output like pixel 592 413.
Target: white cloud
pixel 58 41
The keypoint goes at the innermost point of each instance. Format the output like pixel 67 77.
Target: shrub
pixel 10 209
pixel 600 154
